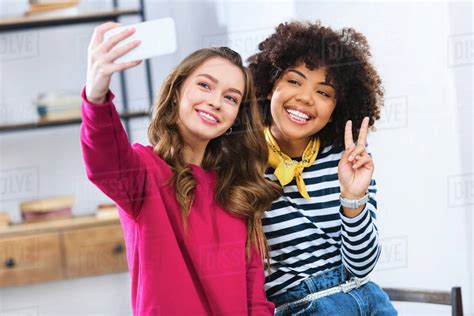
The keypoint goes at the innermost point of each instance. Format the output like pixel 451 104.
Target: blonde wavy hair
pixel 239 159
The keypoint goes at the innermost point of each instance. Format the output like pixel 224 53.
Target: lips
pixel 207 117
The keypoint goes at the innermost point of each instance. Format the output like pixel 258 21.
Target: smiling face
pixel 209 100
pixel 301 104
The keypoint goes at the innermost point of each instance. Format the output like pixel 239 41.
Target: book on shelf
pixel 4 220
pixel 47 209
pixel 57 116
pixel 106 210
pixel 53 7
pixel 59 100
pixel 58 106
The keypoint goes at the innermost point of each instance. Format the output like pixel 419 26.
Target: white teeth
pixel 298 115
pixel 297 118
pixel 210 117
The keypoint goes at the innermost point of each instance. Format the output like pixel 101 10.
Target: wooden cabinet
pixel 47 251
pixel 93 251
pixel 29 259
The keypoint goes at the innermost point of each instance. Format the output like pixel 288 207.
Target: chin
pixel 294 132
pixel 205 136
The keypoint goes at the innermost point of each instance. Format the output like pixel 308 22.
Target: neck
pixel 193 147
pixel 194 154
pixel 291 147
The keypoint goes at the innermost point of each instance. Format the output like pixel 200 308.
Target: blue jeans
pixel 368 299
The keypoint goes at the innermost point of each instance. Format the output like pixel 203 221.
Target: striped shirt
pixel 308 237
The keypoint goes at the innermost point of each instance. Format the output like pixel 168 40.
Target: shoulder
pixel 330 153
pixel 151 159
pixel 141 150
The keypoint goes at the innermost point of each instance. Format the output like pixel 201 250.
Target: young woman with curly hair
pixel 189 206
pixel 317 89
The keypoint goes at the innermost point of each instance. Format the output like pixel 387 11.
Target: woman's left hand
pixel 356 166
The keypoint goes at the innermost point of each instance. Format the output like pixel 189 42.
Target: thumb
pixel 347 152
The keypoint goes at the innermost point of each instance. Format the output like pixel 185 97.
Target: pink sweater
pixel 203 272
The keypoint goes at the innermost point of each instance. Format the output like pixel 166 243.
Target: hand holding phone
pixel 116 48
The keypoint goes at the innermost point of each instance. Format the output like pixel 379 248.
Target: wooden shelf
pixel 64 18
pixel 61 249
pixel 90 220
pixel 74 121
pixel 27 22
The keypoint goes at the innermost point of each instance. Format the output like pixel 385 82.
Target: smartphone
pixel 158 37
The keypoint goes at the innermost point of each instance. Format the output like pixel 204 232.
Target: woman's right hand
pixel 100 60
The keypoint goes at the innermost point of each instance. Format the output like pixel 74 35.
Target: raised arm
pixel 111 162
pixel 360 248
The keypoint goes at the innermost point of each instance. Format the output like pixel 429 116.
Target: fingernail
pixel 351 157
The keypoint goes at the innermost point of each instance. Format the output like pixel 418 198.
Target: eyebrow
pixel 324 83
pixel 216 81
pixel 298 72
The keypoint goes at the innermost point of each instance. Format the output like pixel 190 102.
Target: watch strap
pixel 354 203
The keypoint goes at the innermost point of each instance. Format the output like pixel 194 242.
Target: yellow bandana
pixel 286 168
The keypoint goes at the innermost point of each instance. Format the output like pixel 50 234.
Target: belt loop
pixel 347 274
pixel 310 284
pixel 344 273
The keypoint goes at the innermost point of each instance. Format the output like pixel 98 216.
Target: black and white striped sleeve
pixel 360 246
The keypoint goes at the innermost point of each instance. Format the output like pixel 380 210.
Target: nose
pixel 305 96
pixel 215 100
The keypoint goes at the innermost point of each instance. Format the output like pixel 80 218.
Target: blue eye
pixel 204 85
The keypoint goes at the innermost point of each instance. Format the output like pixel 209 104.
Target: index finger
pixel 348 140
pixel 364 129
pixel 99 31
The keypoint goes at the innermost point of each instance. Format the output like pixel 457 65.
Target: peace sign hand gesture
pixel 356 167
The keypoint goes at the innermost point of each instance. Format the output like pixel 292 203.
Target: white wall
pixel 423 146
pixel 422 149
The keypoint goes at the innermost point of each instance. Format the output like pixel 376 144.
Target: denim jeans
pixel 368 299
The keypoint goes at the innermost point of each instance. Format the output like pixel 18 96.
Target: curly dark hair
pixel 346 56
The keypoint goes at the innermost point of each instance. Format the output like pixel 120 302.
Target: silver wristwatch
pixel 354 203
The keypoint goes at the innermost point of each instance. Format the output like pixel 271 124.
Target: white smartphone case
pixel 158 37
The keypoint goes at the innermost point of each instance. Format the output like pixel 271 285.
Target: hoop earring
pixel 229 132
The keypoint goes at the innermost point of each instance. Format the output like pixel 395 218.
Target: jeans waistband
pixel 313 284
